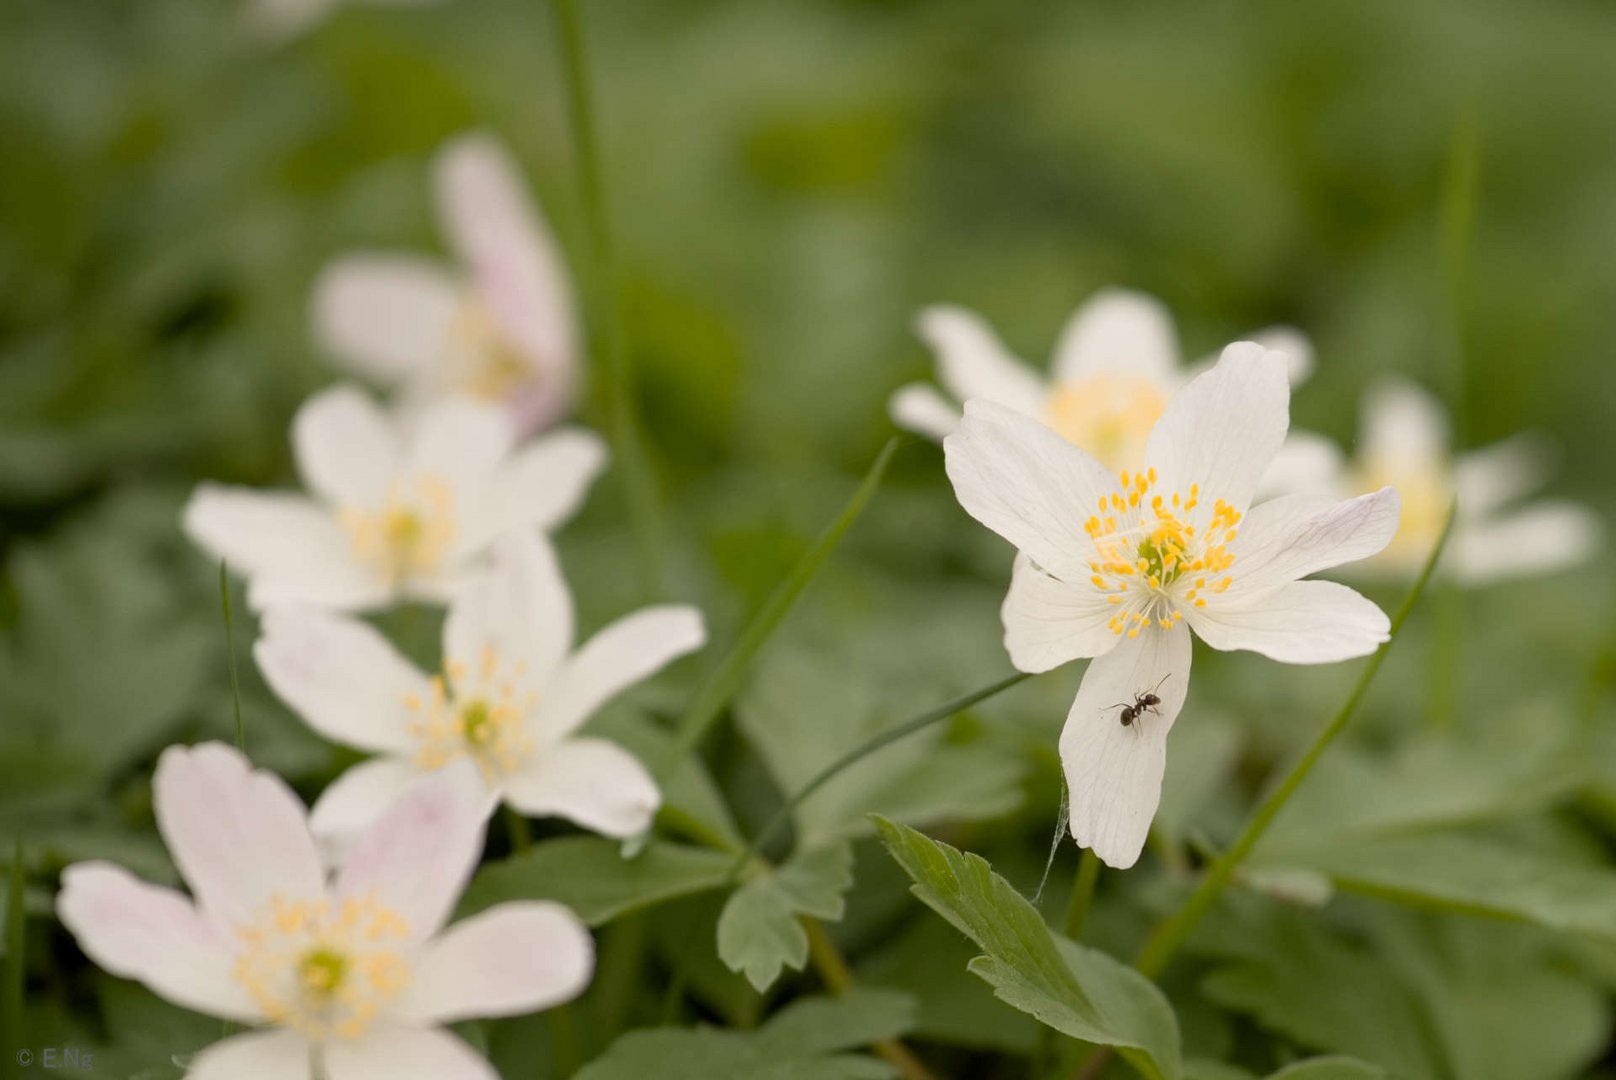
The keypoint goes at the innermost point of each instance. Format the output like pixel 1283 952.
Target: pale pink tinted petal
pixel 592 782
pixel 394 1052
pixel 516 611
pixel 540 486
pixel 512 254
pixel 1404 428
pixel 1307 464
pixel 1221 431
pixel 1114 771
pixel 1118 332
pixel 1048 622
pixel 267 1055
pixel 922 409
pixel 355 801
pixel 156 936
pixel 238 836
pixel 511 959
pixel 460 442
pixel 1305 622
pixel 1296 535
pixel 346 449
pixel 628 651
pixel 972 363
pixel 386 316
pixel 1027 484
pixel 291 549
pixel 341 676
pixel 1541 538
pixel 1495 475
pixel 419 854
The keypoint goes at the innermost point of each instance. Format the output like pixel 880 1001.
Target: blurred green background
pixel 790 182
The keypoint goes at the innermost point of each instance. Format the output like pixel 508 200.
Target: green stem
pixel 1077 908
pixel 726 679
pixel 1172 933
pixel 520 832
pixel 870 746
pixel 230 646
pixel 838 975
pixel 623 425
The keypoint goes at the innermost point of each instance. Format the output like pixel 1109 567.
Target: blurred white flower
pixel 512 695
pixel 1122 571
pixel 355 971
pixel 1116 364
pixel 498 326
pixel 1404 441
pixel 391 513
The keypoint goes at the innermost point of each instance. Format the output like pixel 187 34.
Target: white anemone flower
pixel 1116 364
pixel 498 325
pixel 352 973
pixel 511 698
pixel 1404 441
pixel 393 512
pixel 1123 569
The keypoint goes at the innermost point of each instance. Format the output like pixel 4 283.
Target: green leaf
pixel 590 875
pixel 808 1040
pixel 1330 1068
pixel 1080 992
pixel 759 932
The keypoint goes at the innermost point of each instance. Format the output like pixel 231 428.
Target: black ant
pixel 1142 703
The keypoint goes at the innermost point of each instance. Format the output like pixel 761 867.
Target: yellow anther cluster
pixel 486 365
pixel 323 968
pixel 1108 415
pixel 478 712
pixel 409 534
pixel 1153 557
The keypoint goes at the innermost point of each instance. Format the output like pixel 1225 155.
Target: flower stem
pixel 1077 908
pixel 870 746
pixel 726 679
pixel 1172 933
pixel 520 832
pixel 833 968
pixel 623 425
pixel 230 648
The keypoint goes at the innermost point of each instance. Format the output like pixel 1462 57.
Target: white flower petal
pixel 1304 622
pixel 628 651
pixel 238 836
pixel 418 856
pixel 291 549
pixel 386 316
pixel 341 676
pixel 1114 772
pixel 592 782
pixel 1495 475
pixel 517 264
pixel 511 959
pixel 1297 535
pixel 1119 332
pixel 1541 538
pixel 346 449
pixel 517 609
pixel 1222 430
pixel 395 1052
pixel 156 936
pixel 260 1055
pixel 461 442
pixel 920 408
pixel 1307 464
pixel 1048 622
pixel 973 363
pixel 1027 484
pixel 540 486
pixel 355 801
pixel 1405 429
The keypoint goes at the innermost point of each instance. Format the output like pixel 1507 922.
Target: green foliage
pixel 808 1040
pixel 1080 992
pixel 760 932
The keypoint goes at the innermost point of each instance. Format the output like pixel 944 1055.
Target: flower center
pixel 409 534
pixel 483 362
pixel 1110 416
pixel 1425 490
pixel 478 713
pixel 323 969
pixel 1156 553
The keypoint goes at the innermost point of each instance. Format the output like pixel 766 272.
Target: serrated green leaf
pixel 759 932
pixel 1080 992
pixel 590 875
